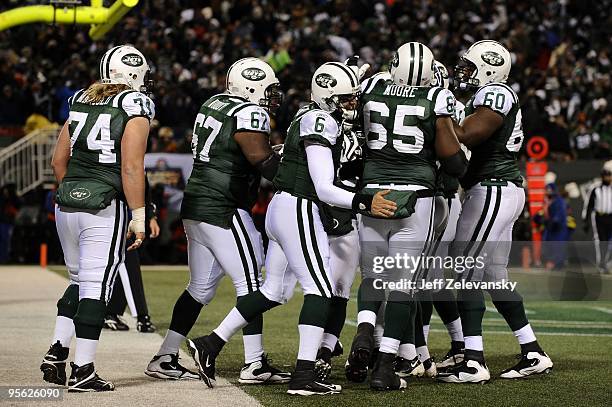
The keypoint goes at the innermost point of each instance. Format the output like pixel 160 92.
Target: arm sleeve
pixel 136 104
pixel 253 118
pixel 321 169
pixel 496 97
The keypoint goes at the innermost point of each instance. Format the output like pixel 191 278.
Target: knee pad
pixel 69 303
pixel 89 318
pixel 201 293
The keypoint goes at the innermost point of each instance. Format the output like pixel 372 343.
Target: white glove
pixel 278 149
pixel 352 63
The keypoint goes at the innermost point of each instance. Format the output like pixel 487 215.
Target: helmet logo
pixel 325 80
pixel 132 60
pixel 492 58
pixel 395 60
pixel 80 194
pixel 253 74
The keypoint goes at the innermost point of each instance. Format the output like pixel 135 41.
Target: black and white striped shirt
pixel 600 201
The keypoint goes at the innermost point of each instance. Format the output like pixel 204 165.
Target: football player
pixel 408 127
pixel 298 242
pixel 448 207
pixel 99 163
pixel 492 130
pixel 231 150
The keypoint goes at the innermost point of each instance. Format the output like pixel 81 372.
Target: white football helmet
pixel 333 85
pixel 254 80
pixel 412 65
pixel 440 75
pixel 126 65
pixel 484 62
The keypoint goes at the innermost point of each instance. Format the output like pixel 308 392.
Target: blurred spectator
pixel 556 233
pixel 9 206
pixel 560 53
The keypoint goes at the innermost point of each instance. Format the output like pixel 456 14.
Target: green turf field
pixel 577 335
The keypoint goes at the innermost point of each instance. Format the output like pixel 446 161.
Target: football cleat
pixel 408 367
pixel 531 363
pixel 54 364
pixel 145 325
pixel 115 323
pixel 322 369
pixel 304 383
pixel 338 349
pixel 204 359
pixel 356 367
pixel 168 367
pixel 468 371
pixel 84 379
pixel 261 372
pixel 430 368
pixel 453 357
pixel 383 376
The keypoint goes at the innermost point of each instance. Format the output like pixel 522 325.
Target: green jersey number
pixel 259 120
pixel 404 138
pixel 319 124
pixel 145 107
pixel 98 138
pixel 205 127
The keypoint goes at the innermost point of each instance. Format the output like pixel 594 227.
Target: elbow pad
pixel 269 166
pixel 455 165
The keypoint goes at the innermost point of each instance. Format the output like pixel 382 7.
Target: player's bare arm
pixel 133 148
pixel 61 154
pixel 479 126
pixel 448 149
pixel 257 150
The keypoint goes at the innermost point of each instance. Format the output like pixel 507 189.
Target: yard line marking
pixel 350 322
pixel 560 323
pixel 491 309
pixel 602 309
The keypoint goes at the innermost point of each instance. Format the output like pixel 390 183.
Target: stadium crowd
pixel 560 54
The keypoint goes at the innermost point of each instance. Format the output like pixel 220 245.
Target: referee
pixel 599 212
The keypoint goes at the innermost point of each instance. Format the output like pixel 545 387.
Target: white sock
pixel 310 340
pixel 329 341
pixel 253 348
pixel 366 316
pixel 378 334
pixel 64 331
pixel 474 343
pixel 389 345
pixel 525 334
pixel 423 353
pixel 426 332
pixel 407 351
pixel 85 351
pixel 233 322
pixel 455 330
pixel 171 344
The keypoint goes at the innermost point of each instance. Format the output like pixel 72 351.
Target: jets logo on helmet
pixel 412 65
pixel 335 88
pixel 483 63
pixel 492 58
pixel 325 80
pixel 440 76
pixel 126 65
pixel 253 74
pixel 254 80
pixel 132 60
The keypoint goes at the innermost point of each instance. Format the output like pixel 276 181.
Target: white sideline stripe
pixel 527 311
pixel 350 322
pixel 602 309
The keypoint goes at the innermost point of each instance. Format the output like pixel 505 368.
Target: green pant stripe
pixel 428 247
pixel 315 246
pixel 485 210
pixel 111 254
pixel 489 227
pixel 247 238
pixel 302 233
pixel 245 266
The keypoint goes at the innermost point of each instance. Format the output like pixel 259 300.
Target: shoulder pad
pixel 252 117
pixel 496 96
pixel 319 124
pixel 135 104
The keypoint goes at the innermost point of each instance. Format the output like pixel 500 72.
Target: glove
pixel 278 149
pixel 352 62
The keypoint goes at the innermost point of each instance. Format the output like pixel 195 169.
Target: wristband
pixel 137 224
pixel 362 203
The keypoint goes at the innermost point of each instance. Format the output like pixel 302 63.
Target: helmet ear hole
pixel 489 73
